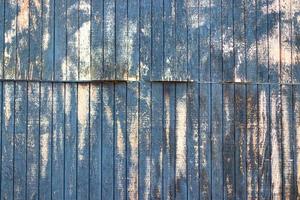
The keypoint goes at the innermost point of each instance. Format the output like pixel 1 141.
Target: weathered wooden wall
pixel 144 99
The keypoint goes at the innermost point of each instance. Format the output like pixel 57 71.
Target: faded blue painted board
pixel 240 141
pixel 120 143
pixel 97 22
pixel 193 140
pixel 145 140
pixel 10 41
pixel 108 153
pixel 169 27
pixel 7 140
pixel 35 41
pixel 58 141
pixel 264 142
pixel 70 141
pixel 83 141
pixel 181 187
pixel 46 127
pixel 156 141
pixel 132 140
pixel 216 141
pixel 228 141
pixel 20 113
pixel 252 141
pixel 73 39
pixel 157 59
pixel 205 141
pixel 122 39
pixel 109 68
pixel 133 47
pixel 95 141
pixel 33 140
pixel 60 38
pixel 48 39
pixel 169 155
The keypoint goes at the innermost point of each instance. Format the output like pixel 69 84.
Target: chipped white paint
pixel 8 93
pixel 181 138
pixel 84 52
pixel 131 39
pixel 133 145
pixel 44 148
pixel 275 148
pixel 120 140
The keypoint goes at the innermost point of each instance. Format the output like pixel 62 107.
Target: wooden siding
pixel 149 140
pixel 144 99
pixel 164 40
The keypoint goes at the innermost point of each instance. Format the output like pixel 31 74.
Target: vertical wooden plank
pixel 97 22
pixel 216 141
pixel 228 141
pixel 216 40
pixel 272 10
pixel 58 136
pixel 133 39
pixel 181 40
pixel 33 139
pixel 286 41
pixel 108 153
pixel 73 38
pixel 180 144
pixel 45 141
pixel 145 39
pixel 35 33
pixel 169 138
pixel 240 141
pixel 204 143
pixel 239 41
pixel 83 138
pixel 144 140
pixel 157 47
pixel 252 141
pixel 22 38
pixel 70 115
pixel 250 40
pixel 132 140
pixel 109 40
pixel 121 39
pixel 193 39
pixel 287 142
pixel 10 40
pixel 84 32
pixel 60 36
pixel 48 39
pixel 95 141
pixel 169 27
pixel 193 140
pixel 276 142
pixel 204 40
pixel 20 139
pixel 264 164
pixel 7 141
pixel 120 141
pixel 228 40
pixel 296 107
pixel 295 42
pixel 2 22
pixel 156 141
pixel 262 40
